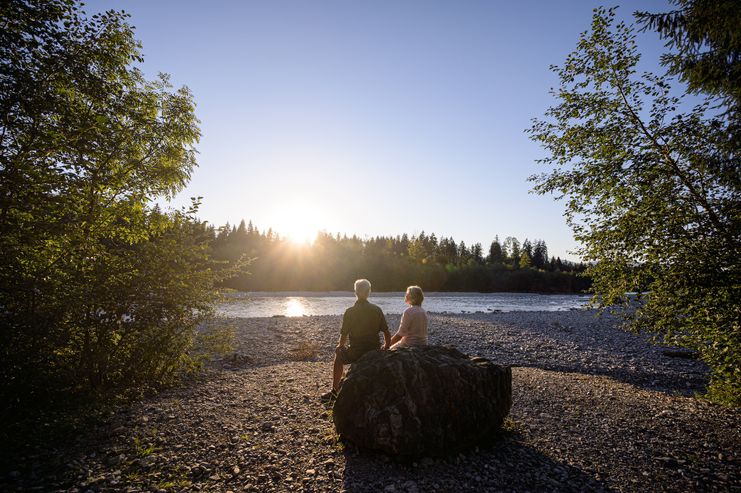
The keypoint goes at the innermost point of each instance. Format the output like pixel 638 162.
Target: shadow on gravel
pixel 504 466
pixel 588 346
pixel 686 385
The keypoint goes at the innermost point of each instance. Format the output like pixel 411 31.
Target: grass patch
pixel 132 477
pixel 141 449
pixel 177 482
pixel 512 426
pixel 305 351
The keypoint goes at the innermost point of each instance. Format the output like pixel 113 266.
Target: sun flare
pixel 295 307
pixel 301 233
pixel 299 224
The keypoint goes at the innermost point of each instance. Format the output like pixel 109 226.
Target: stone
pixel 422 401
pixel 267 427
pixel 411 487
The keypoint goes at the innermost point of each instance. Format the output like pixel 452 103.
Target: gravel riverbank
pixel 595 408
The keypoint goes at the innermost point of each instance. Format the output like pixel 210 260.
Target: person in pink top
pixel 413 327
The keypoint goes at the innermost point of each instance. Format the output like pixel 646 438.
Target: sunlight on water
pixel 295 307
pixel 299 304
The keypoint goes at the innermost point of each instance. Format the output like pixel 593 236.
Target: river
pixel 298 304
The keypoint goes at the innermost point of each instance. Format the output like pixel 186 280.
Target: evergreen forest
pixel 333 262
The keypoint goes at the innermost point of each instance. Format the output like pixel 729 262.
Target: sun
pixel 298 223
pixel 301 234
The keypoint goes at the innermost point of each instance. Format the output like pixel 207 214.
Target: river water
pixel 297 304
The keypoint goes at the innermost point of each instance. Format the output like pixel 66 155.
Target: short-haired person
pixel 413 327
pixel 360 325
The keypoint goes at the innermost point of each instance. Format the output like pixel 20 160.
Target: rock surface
pixel 424 401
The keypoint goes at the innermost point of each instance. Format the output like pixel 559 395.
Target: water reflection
pixel 295 307
pixel 309 304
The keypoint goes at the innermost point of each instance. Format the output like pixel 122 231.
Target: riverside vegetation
pixel 651 175
pixel 100 291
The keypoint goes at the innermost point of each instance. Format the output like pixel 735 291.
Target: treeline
pixel 333 262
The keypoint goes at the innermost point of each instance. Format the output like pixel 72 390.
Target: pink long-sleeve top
pixel 413 326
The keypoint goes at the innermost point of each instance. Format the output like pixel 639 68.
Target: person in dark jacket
pixel 360 326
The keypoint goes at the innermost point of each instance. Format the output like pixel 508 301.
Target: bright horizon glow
pixel 297 222
pixel 300 235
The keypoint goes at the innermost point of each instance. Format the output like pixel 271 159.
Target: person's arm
pixel 385 330
pixel 344 331
pixel 342 341
pixel 403 329
pixel 404 325
pixel 387 339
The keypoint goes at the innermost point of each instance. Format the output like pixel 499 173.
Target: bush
pixel 99 290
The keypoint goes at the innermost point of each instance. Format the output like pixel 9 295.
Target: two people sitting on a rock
pixel 362 322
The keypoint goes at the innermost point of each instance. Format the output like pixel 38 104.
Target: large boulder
pixel 422 401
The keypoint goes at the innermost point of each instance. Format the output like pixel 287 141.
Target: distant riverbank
pixel 303 303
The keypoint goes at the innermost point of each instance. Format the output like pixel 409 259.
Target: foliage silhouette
pixel 652 186
pixel 99 290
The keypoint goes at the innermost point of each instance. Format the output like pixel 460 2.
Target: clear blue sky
pixel 370 117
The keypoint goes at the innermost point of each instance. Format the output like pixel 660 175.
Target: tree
pixel 463 253
pixel 525 261
pixel 495 252
pixel 451 251
pixel 706 47
pixel 477 253
pixel 512 247
pixel 527 247
pixel 540 254
pixel 417 250
pixel 403 244
pixel 98 288
pixel 653 196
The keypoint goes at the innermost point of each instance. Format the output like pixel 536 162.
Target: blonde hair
pixel 362 288
pixel 415 295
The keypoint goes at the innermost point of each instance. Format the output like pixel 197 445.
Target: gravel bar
pixel 594 409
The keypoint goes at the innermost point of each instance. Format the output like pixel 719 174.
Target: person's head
pixel 414 295
pixel 362 289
